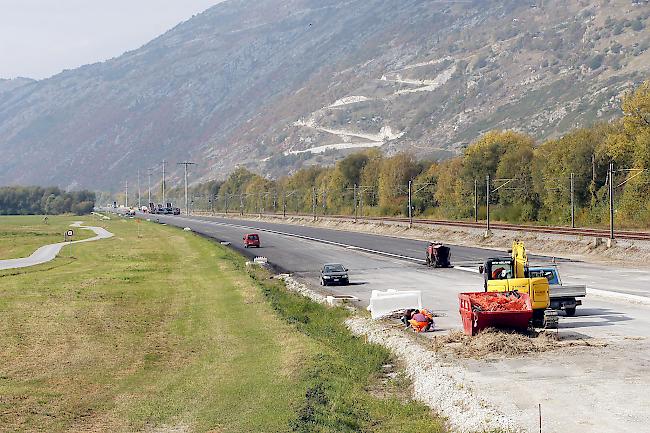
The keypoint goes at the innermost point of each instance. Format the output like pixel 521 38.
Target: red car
pixel 252 240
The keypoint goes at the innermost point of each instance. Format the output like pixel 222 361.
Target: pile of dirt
pixel 499 343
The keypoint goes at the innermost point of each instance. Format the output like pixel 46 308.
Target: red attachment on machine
pixel 482 310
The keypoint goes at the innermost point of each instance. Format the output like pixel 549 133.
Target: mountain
pixel 8 85
pixel 277 84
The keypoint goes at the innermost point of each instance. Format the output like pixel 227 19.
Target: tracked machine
pixel 507 274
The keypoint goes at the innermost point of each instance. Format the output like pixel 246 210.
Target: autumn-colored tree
pixel 632 148
pixel 394 175
pixel 450 194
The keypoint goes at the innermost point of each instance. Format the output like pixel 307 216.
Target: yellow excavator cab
pixel 509 274
pixel 536 288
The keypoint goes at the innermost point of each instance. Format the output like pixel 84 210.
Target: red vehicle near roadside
pixel 252 240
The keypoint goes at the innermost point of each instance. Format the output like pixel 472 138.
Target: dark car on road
pixel 334 273
pixel 177 211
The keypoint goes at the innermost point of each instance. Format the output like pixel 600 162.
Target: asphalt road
pixel 582 389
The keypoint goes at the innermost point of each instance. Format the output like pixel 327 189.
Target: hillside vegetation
pixel 290 83
pixel 528 183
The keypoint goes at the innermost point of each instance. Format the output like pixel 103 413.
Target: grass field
pixel 168 333
pixel 20 236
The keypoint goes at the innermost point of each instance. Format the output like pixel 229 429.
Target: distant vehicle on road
pixel 334 273
pixel 252 240
pixel 177 211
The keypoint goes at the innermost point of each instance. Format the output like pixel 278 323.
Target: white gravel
pixel 295 286
pixel 440 386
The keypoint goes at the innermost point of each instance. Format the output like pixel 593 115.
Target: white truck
pixel 563 296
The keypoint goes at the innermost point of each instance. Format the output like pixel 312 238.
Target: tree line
pixel 36 200
pixel 527 183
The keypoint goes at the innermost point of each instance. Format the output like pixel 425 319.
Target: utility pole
pixel 241 204
pixel 611 200
pixel 139 194
pixel 361 191
pixel 573 209
pixel 149 184
pixel 355 202
pixel 410 206
pixel 324 202
pixel 487 203
pixel 164 163
pixel 126 196
pixel 185 164
pixel 284 206
pixel 475 200
pixel 313 202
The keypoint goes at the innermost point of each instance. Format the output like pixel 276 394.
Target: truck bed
pixel 568 291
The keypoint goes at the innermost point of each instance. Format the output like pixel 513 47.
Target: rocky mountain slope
pixel 276 84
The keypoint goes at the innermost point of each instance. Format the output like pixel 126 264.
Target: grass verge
pixel 340 377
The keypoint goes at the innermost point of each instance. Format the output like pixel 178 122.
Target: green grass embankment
pixel 166 332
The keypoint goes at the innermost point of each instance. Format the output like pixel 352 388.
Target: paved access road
pixel 581 389
pixel 47 253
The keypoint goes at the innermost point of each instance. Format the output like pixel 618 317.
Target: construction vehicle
pixel 507 274
pixel 438 256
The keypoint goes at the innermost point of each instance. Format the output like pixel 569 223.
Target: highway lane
pixel 575 385
pixel 411 248
pixel 301 250
pixel 634 282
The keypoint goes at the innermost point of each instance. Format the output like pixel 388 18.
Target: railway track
pixel 587 232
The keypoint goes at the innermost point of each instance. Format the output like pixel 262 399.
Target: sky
pixel 40 38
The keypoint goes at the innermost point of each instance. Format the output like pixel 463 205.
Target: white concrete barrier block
pixel 384 303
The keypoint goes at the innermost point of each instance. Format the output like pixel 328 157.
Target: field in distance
pixel 20 236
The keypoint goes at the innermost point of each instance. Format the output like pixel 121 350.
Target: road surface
pixel 581 389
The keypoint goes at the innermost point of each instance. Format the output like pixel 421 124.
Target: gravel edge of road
pixel 438 386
